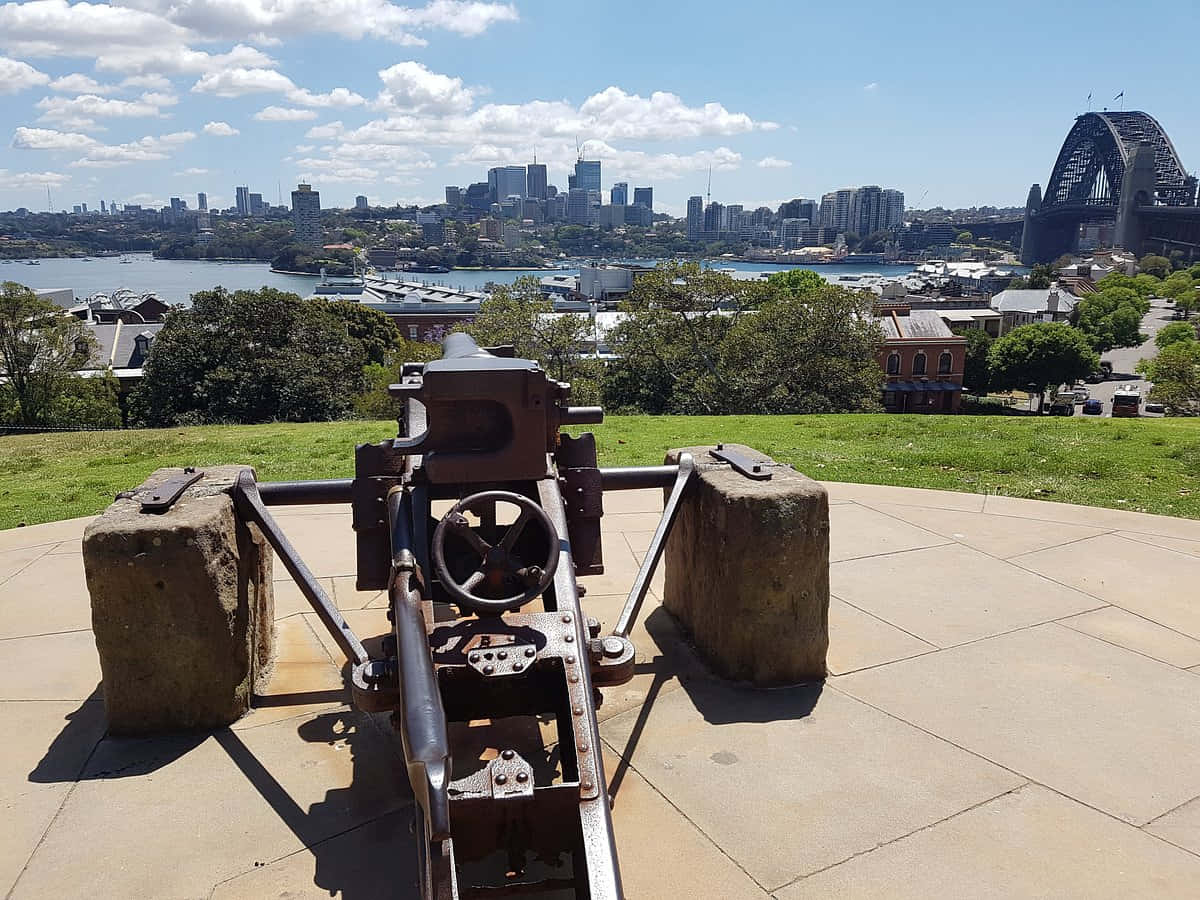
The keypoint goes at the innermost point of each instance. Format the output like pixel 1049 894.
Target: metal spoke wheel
pixel 501 580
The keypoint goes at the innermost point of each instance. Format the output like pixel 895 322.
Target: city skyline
pixel 136 104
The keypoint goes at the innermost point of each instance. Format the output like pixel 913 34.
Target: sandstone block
pixel 747 570
pixel 182 608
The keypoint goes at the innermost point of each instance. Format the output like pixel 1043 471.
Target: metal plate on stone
pixel 751 468
pixel 163 495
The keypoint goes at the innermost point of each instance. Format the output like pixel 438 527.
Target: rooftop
pixel 1011 711
pixel 917 324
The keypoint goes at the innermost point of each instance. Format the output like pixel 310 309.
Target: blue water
pixel 175 280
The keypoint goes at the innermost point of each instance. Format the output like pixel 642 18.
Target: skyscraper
pixel 578 207
pixel 620 194
pixel 256 205
pixel 587 174
pixel 893 209
pixel 306 215
pixel 454 195
pixel 644 196
pixel 865 209
pixel 695 218
pixel 506 181
pixel 202 201
pixel 360 202
pixel 243 201
pixel 535 181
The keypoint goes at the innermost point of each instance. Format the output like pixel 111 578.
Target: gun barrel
pixel 460 345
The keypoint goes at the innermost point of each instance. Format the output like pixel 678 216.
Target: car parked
pixel 1063 406
pixel 1153 408
pixel 1093 408
pixel 1081 395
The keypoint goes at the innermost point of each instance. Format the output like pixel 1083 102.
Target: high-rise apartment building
pixel 454 196
pixel 506 181
pixel 243 201
pixel 619 195
pixel 578 212
pixel 202 201
pixel 865 209
pixel 306 215
pixel 360 202
pixel 644 197
pixel 695 218
pixel 587 174
pixel 478 195
pixel 535 181
pixel 893 209
pixel 713 214
pixel 835 209
pixel 257 208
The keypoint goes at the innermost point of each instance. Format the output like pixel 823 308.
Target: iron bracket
pixel 161 497
pixel 756 471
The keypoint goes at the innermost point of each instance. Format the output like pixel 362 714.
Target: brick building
pixel 921 358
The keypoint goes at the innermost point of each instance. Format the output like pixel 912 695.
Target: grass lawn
pixel 1147 465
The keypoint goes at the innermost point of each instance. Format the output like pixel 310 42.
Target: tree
pixel 41 347
pixel 1158 266
pixel 375 332
pixel 977 377
pixel 375 401
pixel 1041 355
pixel 1173 334
pixel 1175 373
pixel 875 241
pixel 1112 318
pixel 811 350
pixel 249 356
pixel 1062 262
pixel 965 237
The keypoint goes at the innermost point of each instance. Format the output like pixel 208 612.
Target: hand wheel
pixel 509 580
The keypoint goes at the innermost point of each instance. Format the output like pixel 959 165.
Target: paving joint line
pixel 38 558
pixel 21 637
pixel 1065 624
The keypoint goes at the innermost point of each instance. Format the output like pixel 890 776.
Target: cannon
pixel 479 520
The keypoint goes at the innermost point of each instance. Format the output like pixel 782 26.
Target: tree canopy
pixel 1158 266
pixel 1175 373
pixel 1040 356
pixel 41 347
pixel 249 356
pixel 1112 318
pixel 977 377
pixel 1174 333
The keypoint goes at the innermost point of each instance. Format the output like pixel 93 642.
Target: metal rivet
pixel 577 710
pixel 488 670
pixel 502 655
pixel 529 651
pixel 474 657
pixel 568 638
pixel 508 754
pixel 522 777
pixel 573 678
pixel 567 620
pixel 587 785
pixel 570 660
pixel 518 666
pixel 583 748
pixel 501 778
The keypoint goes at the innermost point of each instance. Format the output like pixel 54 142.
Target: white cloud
pixel 82 111
pixel 238 82
pixel 772 162
pixel 326 131
pixel 17 76
pixel 58 28
pixel 662 116
pixel 149 82
pixel 339 96
pixel 871 86
pixel 192 171
pixel 151 58
pixel 160 98
pixel 17 181
pixel 282 114
pixel 78 83
pixel 93 153
pixel 412 87
pixel 220 129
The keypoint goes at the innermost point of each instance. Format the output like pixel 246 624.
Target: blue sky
pixel 954 103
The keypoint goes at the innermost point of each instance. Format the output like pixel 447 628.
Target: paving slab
pixel 1108 727
pixel 858 640
pixel 952 594
pixel 1158 584
pixel 48 595
pixel 787 782
pixel 288 599
pixel 1001 536
pixel 639 521
pixel 884 493
pixel 1030 843
pixel 50 667
pixel 644 501
pixel 1100 517
pixel 1180 826
pixel 304 680
pixel 1191 548
pixel 172 817
pixel 1132 632
pixel 856 531
pixel 13 561
pixel 347 596
pixel 325 542
pixel 47 533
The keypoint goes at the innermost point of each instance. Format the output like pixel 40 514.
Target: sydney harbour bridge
pixel 1118 169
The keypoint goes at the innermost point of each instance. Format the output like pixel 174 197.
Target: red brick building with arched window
pixel 921 358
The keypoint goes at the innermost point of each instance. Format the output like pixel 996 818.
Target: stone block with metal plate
pixel 748 566
pixel 182 608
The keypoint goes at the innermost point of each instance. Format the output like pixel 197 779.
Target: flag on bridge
pixel 1119 96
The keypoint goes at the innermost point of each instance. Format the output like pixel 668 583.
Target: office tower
pixel 103 209
pixel 360 202
pixel 587 174
pixel 893 209
pixel 306 215
pixel 835 209
pixel 695 218
pixel 644 196
pixel 807 209
pixel 506 181
pixel 256 205
pixel 83 207
pixel 731 217
pixel 177 205
pixel 455 196
pixel 202 201
pixel 865 209
pixel 578 212
pixel 619 196
pixel 712 220
pixel 77 209
pixel 535 181
pixel 477 196
pixel 243 201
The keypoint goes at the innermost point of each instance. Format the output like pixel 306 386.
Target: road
pixel 1125 359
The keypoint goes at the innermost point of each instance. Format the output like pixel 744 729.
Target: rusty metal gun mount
pixel 478 519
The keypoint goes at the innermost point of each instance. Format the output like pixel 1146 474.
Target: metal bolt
pixel 720 446
pixel 529 651
pixel 573 678
pixel 568 638
pixel 501 778
pixel 518 666
pixel 522 777
pixel 587 785
pixel 756 468
pixel 570 660
pixel 474 657
pixel 502 655
pixel 613 647
pixel 577 710
pixel 567 620
pixel 488 670
pixel 508 754
pixel 583 748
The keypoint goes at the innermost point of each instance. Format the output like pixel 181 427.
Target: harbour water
pixel 175 280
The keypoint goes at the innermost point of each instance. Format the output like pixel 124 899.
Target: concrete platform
pixel 1013 710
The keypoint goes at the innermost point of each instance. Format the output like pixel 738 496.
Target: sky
pixel 954 103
